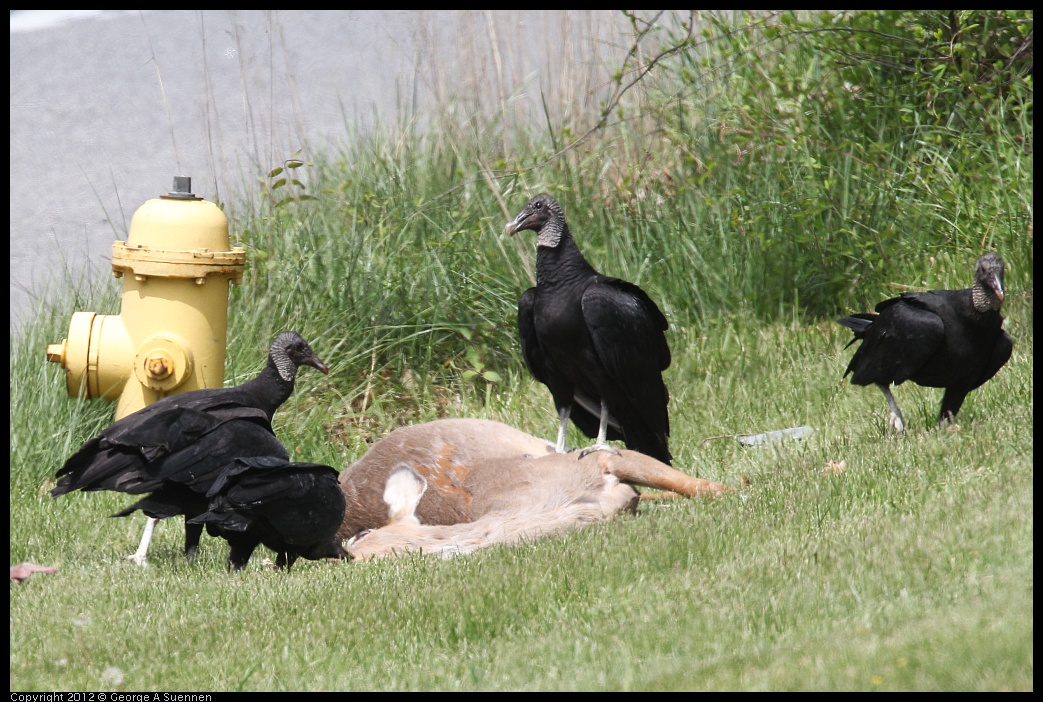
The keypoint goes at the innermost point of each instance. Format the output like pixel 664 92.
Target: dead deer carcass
pixel 455 485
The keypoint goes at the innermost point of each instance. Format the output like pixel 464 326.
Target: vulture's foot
pixel 600 447
pixel 138 558
pixel 895 424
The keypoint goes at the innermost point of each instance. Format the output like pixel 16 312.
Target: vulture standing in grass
pixel 598 343
pixel 950 339
pixel 176 449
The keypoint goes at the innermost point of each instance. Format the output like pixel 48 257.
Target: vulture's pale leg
pixel 563 425
pixel 895 422
pixel 601 443
pixel 146 537
pixel 602 425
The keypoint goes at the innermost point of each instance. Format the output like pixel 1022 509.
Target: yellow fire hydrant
pixel 170 334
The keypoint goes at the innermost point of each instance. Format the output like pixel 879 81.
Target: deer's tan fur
pixel 452 486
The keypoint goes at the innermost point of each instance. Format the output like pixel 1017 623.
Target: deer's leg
pixel 639 469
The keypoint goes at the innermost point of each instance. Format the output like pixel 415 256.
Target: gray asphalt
pixel 107 108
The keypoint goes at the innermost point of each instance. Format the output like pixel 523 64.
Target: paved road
pixel 108 106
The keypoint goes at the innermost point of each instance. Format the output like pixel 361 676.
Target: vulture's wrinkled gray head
pixel 543 215
pixel 290 351
pixel 987 292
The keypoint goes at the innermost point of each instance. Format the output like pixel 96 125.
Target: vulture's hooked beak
pixel 511 227
pixel 997 286
pixel 314 362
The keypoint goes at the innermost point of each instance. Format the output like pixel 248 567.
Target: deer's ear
pixel 402 493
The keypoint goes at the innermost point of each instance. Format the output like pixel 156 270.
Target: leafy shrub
pixel 852 150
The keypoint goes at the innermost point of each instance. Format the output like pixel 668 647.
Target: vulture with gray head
pixel 176 449
pixel 950 339
pixel 598 343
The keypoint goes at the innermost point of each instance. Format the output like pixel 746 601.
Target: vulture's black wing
pixel 295 509
pixel 628 333
pixel 897 343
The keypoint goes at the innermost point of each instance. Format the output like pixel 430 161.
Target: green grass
pixel 910 569
pixel 854 560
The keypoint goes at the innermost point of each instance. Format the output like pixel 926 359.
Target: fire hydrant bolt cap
pixel 163 362
pixel 159 365
pixel 56 352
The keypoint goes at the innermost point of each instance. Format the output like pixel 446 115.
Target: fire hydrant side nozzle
pixel 170 335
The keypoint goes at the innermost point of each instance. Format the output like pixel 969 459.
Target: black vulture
pixel 173 450
pixel 295 509
pixel 598 343
pixel 950 339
